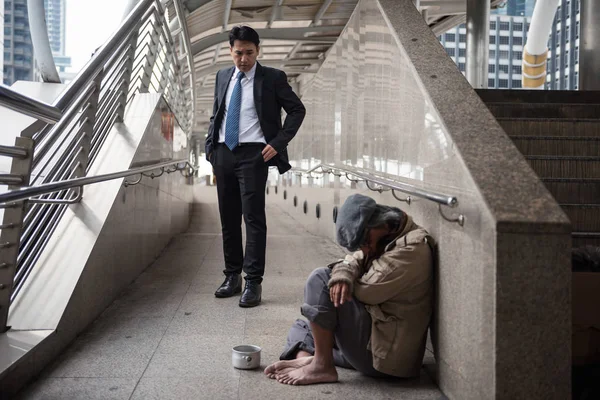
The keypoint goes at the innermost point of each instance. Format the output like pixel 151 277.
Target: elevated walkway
pixel 168 337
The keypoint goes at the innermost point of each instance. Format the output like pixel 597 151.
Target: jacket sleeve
pixel 294 109
pixel 209 144
pixel 394 272
pixel 347 270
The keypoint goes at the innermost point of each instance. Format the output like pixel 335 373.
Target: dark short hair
pixel 245 33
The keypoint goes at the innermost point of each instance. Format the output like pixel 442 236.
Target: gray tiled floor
pixel 168 337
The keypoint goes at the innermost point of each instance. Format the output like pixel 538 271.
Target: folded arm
pixel 393 273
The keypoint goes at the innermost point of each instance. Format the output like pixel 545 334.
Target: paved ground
pixel 168 337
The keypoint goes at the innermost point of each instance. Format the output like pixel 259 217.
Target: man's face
pixel 372 236
pixel 244 54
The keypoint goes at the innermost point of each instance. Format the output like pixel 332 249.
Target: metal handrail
pixel 47 188
pixel 29 106
pixel 52 113
pixel 13 151
pixel 97 63
pixel 406 188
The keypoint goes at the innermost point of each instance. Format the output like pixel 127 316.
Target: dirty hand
pixel 340 293
pixel 268 152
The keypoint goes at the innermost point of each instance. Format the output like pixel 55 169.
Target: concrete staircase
pixel 558 132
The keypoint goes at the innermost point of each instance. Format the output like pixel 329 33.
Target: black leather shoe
pixel 231 286
pixel 251 296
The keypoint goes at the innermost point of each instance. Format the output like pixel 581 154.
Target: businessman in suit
pixel 244 138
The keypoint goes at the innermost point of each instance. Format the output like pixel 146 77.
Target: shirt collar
pixel 249 75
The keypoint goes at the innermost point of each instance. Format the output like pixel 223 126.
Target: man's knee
pixel 319 277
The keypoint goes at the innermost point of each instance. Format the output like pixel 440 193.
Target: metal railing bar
pixel 66 146
pixel 26 266
pixel 138 66
pixel 153 87
pixel 113 74
pixel 406 188
pixel 70 142
pixel 38 220
pixel 96 65
pixel 100 139
pixel 13 151
pixel 25 193
pixel 33 216
pixel 109 76
pixel 11 179
pixel 28 106
pixel 101 133
pixel 188 50
pixel 109 104
pixel 122 50
pixel 101 120
pixel 69 114
pixel 63 201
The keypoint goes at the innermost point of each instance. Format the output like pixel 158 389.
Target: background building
pixel 18 50
pixel 1 40
pixel 508 35
pixel 563 55
pixel 517 8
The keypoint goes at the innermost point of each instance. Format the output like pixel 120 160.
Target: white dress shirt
pixel 249 124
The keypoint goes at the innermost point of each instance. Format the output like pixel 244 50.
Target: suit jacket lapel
pixel 223 85
pixel 258 89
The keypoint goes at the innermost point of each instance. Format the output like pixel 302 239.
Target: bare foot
pixel 308 375
pixel 282 367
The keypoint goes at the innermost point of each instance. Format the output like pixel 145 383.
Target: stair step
pixel 551 127
pixel 584 217
pixel 580 239
pixel 545 110
pixel 565 167
pixel 539 96
pixel 557 145
pixel 574 190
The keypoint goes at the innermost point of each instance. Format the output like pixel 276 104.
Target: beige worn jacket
pixel 397 290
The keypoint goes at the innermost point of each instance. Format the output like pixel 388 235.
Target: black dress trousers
pixel 241 180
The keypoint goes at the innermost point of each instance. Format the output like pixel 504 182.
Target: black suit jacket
pixel 272 92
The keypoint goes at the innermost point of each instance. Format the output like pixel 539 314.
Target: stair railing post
pixel 10 230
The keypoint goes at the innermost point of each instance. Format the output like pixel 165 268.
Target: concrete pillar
pixel 589 48
pixel 478 32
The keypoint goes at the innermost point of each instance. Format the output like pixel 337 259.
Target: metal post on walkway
pixel 478 32
pixel 589 48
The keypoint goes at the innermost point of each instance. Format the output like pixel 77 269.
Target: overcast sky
pixel 89 24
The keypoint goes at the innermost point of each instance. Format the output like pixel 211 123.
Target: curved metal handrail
pixel 29 106
pixel 406 188
pixel 47 188
pixel 410 190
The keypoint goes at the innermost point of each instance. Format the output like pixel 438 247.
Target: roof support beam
pixel 213 68
pixel 276 10
pixel 293 34
pixel 315 21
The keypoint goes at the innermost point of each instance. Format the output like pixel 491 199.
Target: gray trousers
pixel 350 322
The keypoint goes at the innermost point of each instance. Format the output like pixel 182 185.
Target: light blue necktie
pixel 232 125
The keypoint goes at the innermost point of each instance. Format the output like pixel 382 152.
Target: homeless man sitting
pixel 370 311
